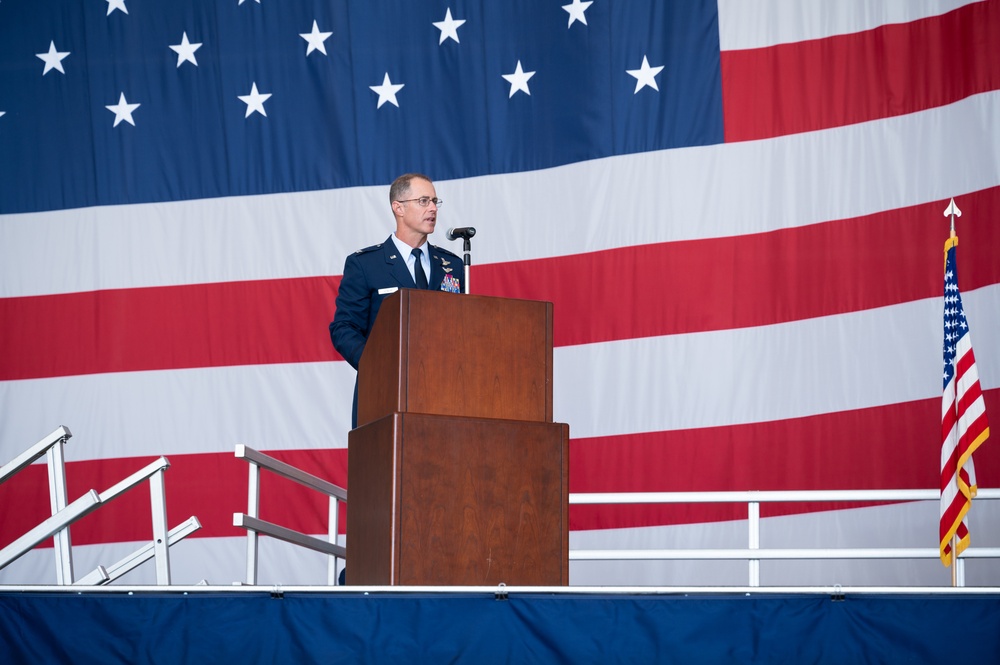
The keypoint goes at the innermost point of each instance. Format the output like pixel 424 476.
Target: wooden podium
pixel 456 473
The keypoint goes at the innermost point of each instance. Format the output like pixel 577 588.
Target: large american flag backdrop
pixel 734 205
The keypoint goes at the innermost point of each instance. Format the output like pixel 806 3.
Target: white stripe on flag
pixel 802 368
pixel 708 192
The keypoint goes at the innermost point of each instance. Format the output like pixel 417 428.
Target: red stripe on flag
pixel 200 325
pixel 966 398
pixel 888 71
pixel 948 469
pixel 847 450
pixel 751 280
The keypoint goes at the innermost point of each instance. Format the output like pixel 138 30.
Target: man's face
pixel 414 218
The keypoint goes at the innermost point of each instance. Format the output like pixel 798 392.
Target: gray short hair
pixel 401 185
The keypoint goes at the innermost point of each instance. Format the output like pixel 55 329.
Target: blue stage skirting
pixel 338 627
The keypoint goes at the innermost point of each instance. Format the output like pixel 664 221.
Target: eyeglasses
pixel 424 201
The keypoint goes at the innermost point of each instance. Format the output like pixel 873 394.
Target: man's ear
pixel 397 208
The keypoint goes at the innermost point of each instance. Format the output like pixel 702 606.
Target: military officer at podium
pixel 405 260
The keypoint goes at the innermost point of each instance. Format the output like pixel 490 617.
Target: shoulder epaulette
pixel 442 250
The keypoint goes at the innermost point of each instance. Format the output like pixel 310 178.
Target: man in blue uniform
pixel 405 260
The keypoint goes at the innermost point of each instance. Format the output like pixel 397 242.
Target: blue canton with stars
pixel 955 325
pixel 106 102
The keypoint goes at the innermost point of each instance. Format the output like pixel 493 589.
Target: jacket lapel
pixel 396 264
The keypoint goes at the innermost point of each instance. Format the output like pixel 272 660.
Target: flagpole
pixel 951 211
pixel 954 561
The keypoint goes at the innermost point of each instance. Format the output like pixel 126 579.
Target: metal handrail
pixel 766 496
pixel 64 514
pixel 52 447
pixel 255 526
pixel 11 468
pixel 107 574
pixel 753 553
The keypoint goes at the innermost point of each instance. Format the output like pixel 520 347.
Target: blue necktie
pixel 419 276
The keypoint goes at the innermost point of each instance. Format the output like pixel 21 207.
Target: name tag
pixel 391 289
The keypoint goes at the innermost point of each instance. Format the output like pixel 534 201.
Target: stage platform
pixel 201 624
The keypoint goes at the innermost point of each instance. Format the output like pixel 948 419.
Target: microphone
pixel 465 232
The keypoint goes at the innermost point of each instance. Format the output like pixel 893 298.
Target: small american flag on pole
pixel 963 414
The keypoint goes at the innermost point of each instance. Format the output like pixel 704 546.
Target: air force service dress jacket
pixel 370 276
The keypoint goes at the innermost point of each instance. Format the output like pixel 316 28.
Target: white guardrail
pixel 255 526
pixel 65 513
pixel 753 553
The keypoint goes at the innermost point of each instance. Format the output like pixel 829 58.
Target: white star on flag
pixel 518 80
pixel 2 113
pixel 255 101
pixel 448 27
pixel 577 11
pixel 242 1
pixel 123 111
pixel 185 51
pixel 116 4
pixel 315 39
pixel 53 59
pixel 645 75
pixel 387 91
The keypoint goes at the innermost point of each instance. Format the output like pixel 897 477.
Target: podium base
pixel 445 500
